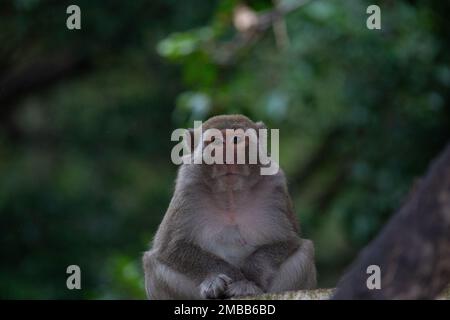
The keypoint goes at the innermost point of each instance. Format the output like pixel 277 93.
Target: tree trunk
pixel 413 250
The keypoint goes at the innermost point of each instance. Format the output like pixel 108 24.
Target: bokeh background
pixel 86 117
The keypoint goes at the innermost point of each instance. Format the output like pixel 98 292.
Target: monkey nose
pixel 226 148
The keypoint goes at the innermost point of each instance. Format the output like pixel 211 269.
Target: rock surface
pixel 317 294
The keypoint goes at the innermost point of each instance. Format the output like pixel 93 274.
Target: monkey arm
pixel 261 266
pixel 196 263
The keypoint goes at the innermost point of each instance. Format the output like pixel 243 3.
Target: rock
pixel 316 294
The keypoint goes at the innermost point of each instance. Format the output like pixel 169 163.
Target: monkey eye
pixel 216 140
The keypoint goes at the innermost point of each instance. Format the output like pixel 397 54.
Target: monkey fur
pixel 228 232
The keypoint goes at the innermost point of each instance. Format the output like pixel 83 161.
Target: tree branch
pixel 226 53
pixel 34 78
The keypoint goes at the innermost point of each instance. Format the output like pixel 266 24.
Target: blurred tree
pixel 85 118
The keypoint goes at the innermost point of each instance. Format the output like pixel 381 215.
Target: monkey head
pixel 229 150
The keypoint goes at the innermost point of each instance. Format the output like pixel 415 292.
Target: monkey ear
pixel 261 125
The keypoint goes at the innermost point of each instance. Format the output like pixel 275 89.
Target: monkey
pixel 229 231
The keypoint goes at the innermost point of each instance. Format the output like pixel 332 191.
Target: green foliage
pixel 85 161
pixel 377 93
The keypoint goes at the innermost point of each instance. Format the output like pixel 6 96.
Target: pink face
pixel 237 164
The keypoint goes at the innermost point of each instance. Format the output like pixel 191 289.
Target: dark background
pixel 86 117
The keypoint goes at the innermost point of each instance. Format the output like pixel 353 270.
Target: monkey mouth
pixel 230 171
pixel 233 174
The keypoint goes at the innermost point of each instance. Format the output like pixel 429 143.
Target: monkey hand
pixel 214 286
pixel 242 288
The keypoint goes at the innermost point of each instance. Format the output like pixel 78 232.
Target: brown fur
pixel 227 236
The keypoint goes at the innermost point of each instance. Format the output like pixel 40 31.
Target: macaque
pixel 229 231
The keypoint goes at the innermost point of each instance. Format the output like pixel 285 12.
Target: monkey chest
pixel 231 244
pixel 235 237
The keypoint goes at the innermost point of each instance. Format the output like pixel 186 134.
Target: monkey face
pixel 231 157
pixel 228 151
